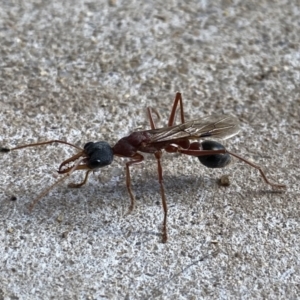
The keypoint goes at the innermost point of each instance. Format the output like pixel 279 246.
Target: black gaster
pixel 100 154
pixel 215 160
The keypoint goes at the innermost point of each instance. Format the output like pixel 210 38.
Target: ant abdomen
pixel 215 160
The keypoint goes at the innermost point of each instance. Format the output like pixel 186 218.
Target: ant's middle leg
pixel 138 158
pixel 178 100
pixel 150 111
pixel 158 155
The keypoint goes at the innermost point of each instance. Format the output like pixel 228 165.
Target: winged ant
pixel 172 138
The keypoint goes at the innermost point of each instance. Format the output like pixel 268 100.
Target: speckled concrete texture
pixel 86 71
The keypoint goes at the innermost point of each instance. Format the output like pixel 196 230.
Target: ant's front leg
pixel 78 185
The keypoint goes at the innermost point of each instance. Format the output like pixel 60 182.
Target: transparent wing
pixel 221 127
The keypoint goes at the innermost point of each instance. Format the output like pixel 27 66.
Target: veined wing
pixel 221 127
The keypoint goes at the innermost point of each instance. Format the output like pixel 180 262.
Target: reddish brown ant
pixel 172 139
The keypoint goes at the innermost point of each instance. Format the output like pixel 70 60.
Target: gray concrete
pixel 84 72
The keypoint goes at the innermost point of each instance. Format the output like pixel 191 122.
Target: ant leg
pixel 46 191
pixel 178 98
pixel 64 166
pixel 39 144
pixel 78 185
pixel 150 110
pixel 195 152
pixel 257 167
pixel 158 155
pixel 138 159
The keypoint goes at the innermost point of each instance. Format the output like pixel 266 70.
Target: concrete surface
pixel 86 71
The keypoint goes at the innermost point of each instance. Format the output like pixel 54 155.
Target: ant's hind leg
pixel 257 167
pixel 78 185
pixel 200 152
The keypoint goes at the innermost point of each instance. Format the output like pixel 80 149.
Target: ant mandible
pixel 172 139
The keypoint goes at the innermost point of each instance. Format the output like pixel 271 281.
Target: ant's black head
pixel 99 154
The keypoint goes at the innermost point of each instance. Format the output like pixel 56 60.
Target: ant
pixel 172 139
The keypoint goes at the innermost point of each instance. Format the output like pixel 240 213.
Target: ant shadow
pixel 101 206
